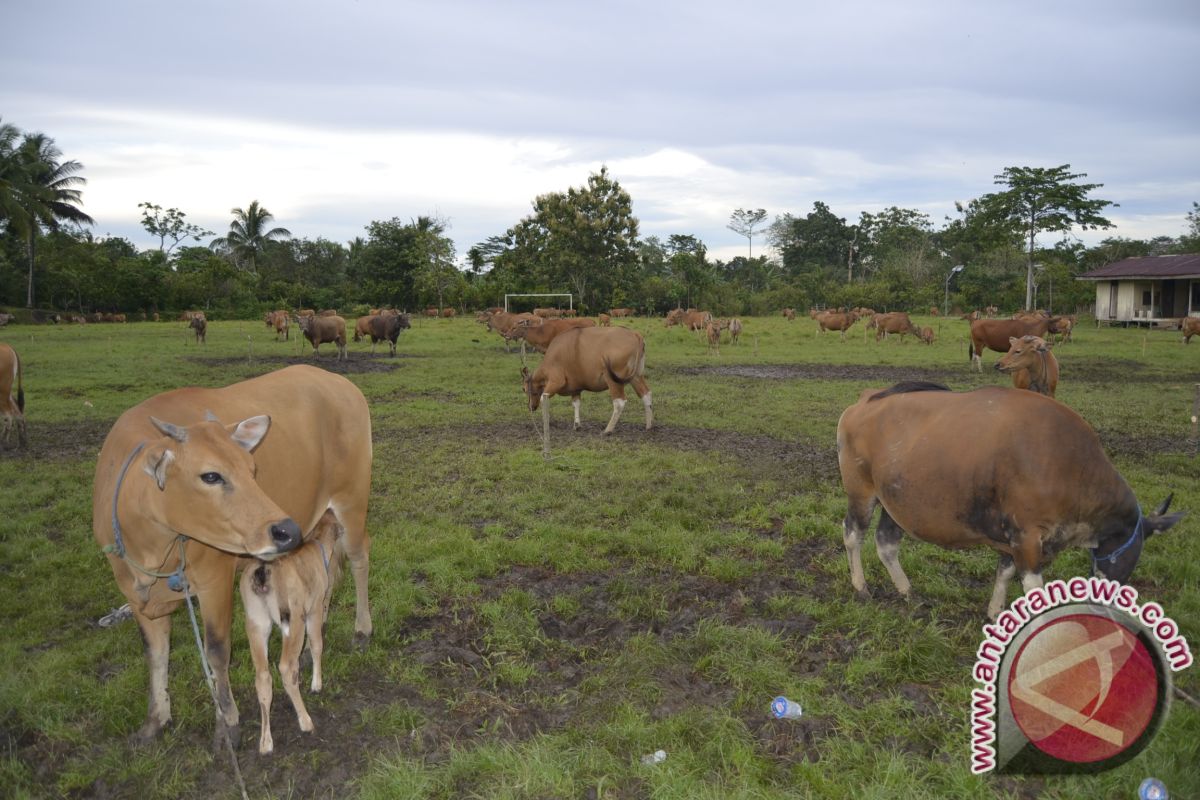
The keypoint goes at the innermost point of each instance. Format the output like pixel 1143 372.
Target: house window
pixel 1146 297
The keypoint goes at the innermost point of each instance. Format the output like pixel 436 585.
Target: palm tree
pixel 248 236
pixel 37 190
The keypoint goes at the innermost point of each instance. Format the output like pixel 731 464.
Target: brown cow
pixel 994 334
pixel 605 320
pixel 1189 327
pixel 789 314
pixel 674 317
pixel 620 312
pixel 695 320
pixel 188 487
pixel 362 326
pixel 926 335
pixel 539 337
pixel 292 593
pixel 933 311
pixel 305 312
pixel 432 312
pixel 990 312
pixel 1031 365
pixel 985 494
pixel 712 333
pixel 327 312
pixel 12 396
pixel 589 360
pixel 280 322
pixel 200 325
pixel 448 312
pixel 835 321
pixel 387 327
pixel 319 330
pixel 896 322
pixel 735 330
pixel 6 318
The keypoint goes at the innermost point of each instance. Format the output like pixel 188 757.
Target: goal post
pixel 570 298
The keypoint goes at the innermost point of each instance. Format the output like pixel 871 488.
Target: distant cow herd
pixel 272 476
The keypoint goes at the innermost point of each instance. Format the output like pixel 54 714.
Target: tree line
pixel 584 240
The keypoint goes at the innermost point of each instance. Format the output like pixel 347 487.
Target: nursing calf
pixel 293 594
pixel 1034 482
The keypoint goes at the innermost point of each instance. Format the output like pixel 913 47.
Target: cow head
pixel 1117 554
pixel 205 473
pixel 1022 353
pixel 533 388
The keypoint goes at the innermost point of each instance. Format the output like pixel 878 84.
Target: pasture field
pixel 541 625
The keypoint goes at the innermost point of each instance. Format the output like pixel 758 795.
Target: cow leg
pixel 156 638
pixel 1005 571
pixel 258 632
pixel 887 544
pixel 643 391
pixel 575 399
pixel 216 607
pixel 357 544
pixel 289 666
pixel 314 623
pixel 545 425
pixel 617 392
pixel 858 519
pixel 976 358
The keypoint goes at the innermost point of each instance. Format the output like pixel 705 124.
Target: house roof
pixel 1184 266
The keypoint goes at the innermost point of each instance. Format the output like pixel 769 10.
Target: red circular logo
pixel 1083 688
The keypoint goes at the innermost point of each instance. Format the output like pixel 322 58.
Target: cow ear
pixel 1012 340
pixel 524 372
pixel 167 429
pixel 249 433
pixel 157 462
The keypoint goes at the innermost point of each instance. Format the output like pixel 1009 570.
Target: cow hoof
pixel 863 594
pixel 149 731
pixel 361 641
pixel 579 427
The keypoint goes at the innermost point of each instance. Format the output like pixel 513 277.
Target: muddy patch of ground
pixel 358 363
pixel 62 440
pixel 838 372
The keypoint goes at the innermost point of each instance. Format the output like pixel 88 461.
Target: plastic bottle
pixel 783 708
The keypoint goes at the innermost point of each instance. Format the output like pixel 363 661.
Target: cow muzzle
pixel 286 535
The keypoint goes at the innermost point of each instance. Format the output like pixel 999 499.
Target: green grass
pixel 541 625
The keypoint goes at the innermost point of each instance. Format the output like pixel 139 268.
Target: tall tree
pixel 37 191
pixel 437 274
pixel 169 224
pixel 248 236
pixel 813 243
pixel 744 221
pixel 1044 199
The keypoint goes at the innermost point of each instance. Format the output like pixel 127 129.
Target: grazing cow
pixel 695 320
pixel 589 360
pixel 200 325
pixel 1066 325
pixel 540 336
pixel 835 321
pixel 432 312
pixel 995 333
pixel 1189 327
pixel 6 318
pixel 569 313
pixel 1031 365
pixel 894 322
pixel 933 311
pixel 925 335
pixel 985 494
pixel 620 312
pixel 789 314
pixel 362 326
pixel 674 317
pixel 547 313
pixel 319 330
pixel 12 396
pixel 735 330
pixel 605 320
pixel 192 492
pixel 387 327
pixel 291 593
pixel 448 312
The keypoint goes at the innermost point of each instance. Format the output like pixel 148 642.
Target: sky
pixel 336 114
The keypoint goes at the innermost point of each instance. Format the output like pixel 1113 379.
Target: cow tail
pixel 634 367
pixel 20 391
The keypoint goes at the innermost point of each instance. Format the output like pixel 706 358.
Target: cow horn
pixel 167 429
pixel 524 372
pixel 210 417
pixel 1162 509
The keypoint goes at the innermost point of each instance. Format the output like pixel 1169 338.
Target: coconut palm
pixel 248 236
pixel 37 190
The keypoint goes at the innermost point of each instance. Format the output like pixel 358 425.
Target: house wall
pixel 1131 300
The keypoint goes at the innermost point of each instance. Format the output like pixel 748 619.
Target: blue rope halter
pixel 1137 529
pixel 175 580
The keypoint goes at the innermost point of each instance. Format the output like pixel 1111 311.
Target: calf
pixel 387 327
pixel 362 326
pixel 319 330
pixel 789 314
pixel 925 335
pixel 1031 365
pixel 293 594
pixel 735 330
pixel 12 400
pixel 712 332
pixel 589 360
pixel 605 320
pixel 280 323
pixel 200 325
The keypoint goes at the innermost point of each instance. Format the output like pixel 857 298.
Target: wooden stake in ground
pixel 249 350
pixel 1195 418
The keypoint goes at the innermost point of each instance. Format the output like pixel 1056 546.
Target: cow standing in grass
pixel 12 396
pixel 735 330
pixel 1034 481
pixel 994 334
pixel 200 325
pixel 1031 365
pixel 1189 327
pixel 387 327
pixel 319 330
pixel 540 336
pixel 589 360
